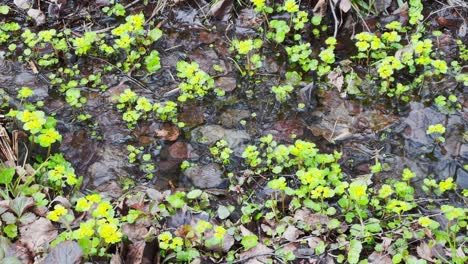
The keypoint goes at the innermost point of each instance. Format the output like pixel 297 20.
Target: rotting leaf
pixel 37 234
pixel 292 233
pixel 382 5
pixel 135 252
pixel 27 218
pixel 261 251
pixel 345 5
pixel 168 132
pixel 68 252
pixel 9 218
pixel 379 258
pixel 336 78
pixel 424 251
pixel 223 212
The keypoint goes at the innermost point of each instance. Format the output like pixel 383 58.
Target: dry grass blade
pixel 5 145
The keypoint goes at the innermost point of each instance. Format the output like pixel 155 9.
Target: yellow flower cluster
pixel 446 185
pixel 109 230
pixel 58 211
pixel 166 241
pixel 388 65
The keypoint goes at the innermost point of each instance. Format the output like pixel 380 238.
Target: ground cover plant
pixel 233 131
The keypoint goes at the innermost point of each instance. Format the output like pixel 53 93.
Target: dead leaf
pixel 135 252
pixel 66 252
pixel 424 251
pixel 256 255
pixel 21 253
pixel 313 242
pixel 23 4
pixel 168 132
pixel 180 150
pixel 38 16
pixel 320 9
pixel 336 78
pixel 311 219
pixel 382 5
pixel 345 5
pixel 134 232
pixel 292 233
pixel 116 259
pixel 379 258
pixel 38 234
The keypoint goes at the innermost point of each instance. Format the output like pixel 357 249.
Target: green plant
pixel 447 106
pixel 301 54
pixel 137 108
pixel 99 230
pixel 261 6
pixel 221 152
pixel 84 44
pixel 282 92
pixel 248 48
pixel 197 83
pixel 437 129
pixel 281 28
pixel 415 11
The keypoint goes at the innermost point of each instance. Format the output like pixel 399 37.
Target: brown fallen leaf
pixel 256 255
pixel 336 78
pixel 37 234
pixel 345 5
pixel 20 252
pixel 168 132
pixel 379 258
pixel 292 233
pixel 68 252
pixel 135 232
pixel 311 219
pixel 135 252
pixel 424 251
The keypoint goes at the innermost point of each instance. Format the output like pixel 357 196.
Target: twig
pixel 442 9
pixel 335 18
pixel 131 4
pixel 250 257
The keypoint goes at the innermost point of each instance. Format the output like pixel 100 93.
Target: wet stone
pixel 180 150
pixel 417 122
pixel 462 178
pixel 227 84
pixel 210 134
pixel 205 176
pixel 231 117
pixel 110 165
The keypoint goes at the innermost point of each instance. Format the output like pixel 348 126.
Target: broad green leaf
pixel 6 175
pixel 374 226
pixel 11 230
pixel 152 61
pixel 155 34
pixel 355 247
pixel 4 9
pixel 194 194
pixel 176 200
pixel 188 255
pixel 20 204
pixel 333 223
pixel 249 241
